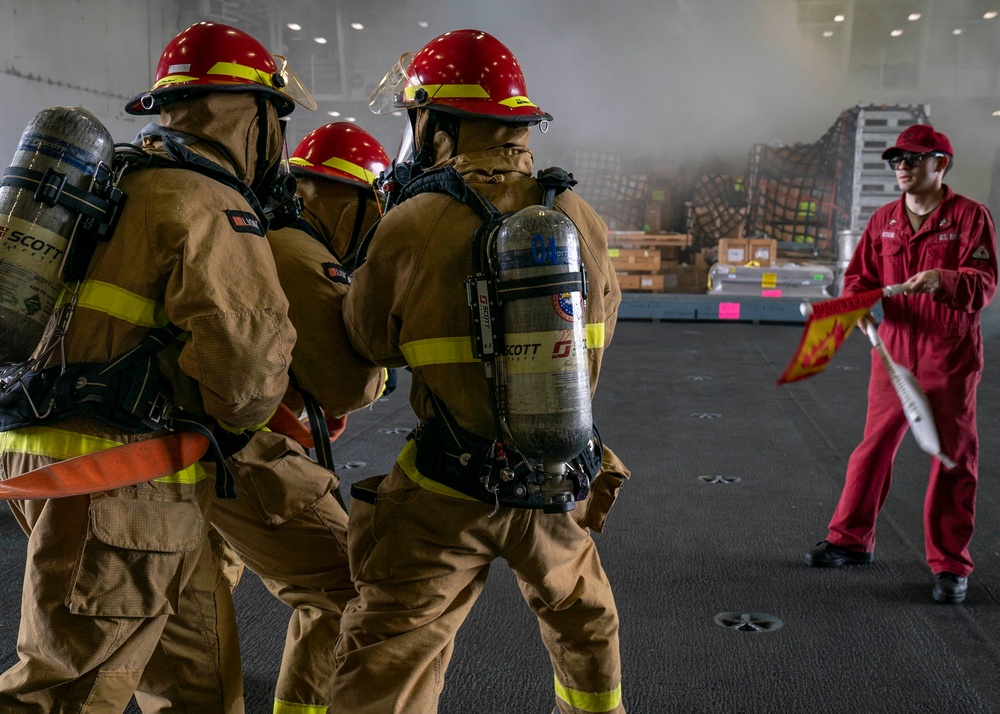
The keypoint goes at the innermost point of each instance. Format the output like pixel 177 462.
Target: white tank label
pixel 30 257
pixel 545 352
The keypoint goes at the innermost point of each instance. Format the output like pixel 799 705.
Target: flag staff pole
pixel 916 407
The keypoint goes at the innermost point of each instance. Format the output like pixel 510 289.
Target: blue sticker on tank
pixel 543 251
pixel 60 150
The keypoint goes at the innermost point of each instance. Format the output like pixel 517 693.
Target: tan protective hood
pixel 331 207
pixel 476 138
pixel 227 124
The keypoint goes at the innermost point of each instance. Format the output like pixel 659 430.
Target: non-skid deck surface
pixel 733 479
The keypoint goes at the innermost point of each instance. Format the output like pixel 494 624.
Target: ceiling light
pixel 913 16
pixel 838 18
pixel 350 119
pixel 294 26
pixel 996 113
pixel 957 31
pixel 334 114
pixel 896 33
pixel 828 33
pixel 320 40
pixel 989 15
pixel 357 26
pixel 424 24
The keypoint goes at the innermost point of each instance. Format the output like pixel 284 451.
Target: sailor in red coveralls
pixel 942 247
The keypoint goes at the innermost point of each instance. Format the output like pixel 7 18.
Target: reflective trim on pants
pixel 281 707
pixel 590 701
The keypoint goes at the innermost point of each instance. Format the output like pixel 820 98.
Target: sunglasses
pixel 911 160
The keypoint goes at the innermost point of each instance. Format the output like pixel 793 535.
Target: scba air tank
pixel 63 144
pixel 547 404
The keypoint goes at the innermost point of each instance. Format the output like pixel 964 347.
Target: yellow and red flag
pixel 829 324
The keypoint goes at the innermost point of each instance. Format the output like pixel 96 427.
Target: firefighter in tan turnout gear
pixel 286 523
pixel 460 495
pixel 112 576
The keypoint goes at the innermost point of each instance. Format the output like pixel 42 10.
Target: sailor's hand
pixel 924 282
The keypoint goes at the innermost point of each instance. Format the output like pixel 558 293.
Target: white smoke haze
pixel 670 86
pixel 668 82
pixel 661 80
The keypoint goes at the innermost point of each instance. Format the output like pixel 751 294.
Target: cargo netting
pixel 619 198
pixel 717 209
pixel 800 194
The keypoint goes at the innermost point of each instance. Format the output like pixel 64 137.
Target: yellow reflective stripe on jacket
pixel 53 443
pixel 595 336
pixel 121 303
pixel 241 429
pixel 281 707
pixel 439 350
pixel 62 444
pixel 590 701
pixel 457 350
pixel 407 461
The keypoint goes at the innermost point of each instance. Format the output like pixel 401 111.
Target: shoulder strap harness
pixel 489 470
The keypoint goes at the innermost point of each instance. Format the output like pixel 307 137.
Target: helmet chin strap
pixel 436 121
pixel 264 173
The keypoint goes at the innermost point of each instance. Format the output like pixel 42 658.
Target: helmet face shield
pixel 387 97
pixel 407 146
pixel 291 85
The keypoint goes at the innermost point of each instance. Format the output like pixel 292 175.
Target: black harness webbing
pixel 301 224
pixel 487 470
pixel 52 188
pixel 128 394
pixel 99 211
pixel 490 472
pixel 134 158
pixel 321 438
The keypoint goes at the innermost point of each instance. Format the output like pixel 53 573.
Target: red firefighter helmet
pixel 465 72
pixel 341 151
pixel 212 57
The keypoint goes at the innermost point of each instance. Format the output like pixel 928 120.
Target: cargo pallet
pixel 710 307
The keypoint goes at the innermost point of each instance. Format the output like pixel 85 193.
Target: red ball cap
pixel 919 139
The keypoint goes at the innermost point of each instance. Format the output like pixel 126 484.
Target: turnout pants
pixel 106 575
pixel 950 502
pixel 288 527
pixel 420 560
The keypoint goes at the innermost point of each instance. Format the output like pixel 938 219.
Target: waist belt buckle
pixel 160 410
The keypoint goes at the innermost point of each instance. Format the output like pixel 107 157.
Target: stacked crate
pixel 652 262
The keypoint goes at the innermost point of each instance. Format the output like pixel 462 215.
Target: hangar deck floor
pixel 680 401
